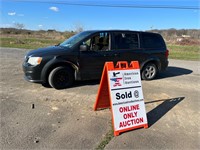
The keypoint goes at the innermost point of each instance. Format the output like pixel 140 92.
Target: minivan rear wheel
pixel 149 71
pixel 61 77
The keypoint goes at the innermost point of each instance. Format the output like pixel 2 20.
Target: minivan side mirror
pixel 83 47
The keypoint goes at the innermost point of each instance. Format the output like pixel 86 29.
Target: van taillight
pixel 167 53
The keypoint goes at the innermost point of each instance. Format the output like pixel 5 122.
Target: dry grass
pixel 187 49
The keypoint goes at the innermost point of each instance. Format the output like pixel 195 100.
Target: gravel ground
pixel 35 117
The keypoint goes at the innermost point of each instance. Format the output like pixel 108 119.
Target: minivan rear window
pixel 126 40
pixel 152 41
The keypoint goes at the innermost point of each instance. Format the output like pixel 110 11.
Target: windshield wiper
pixel 57 44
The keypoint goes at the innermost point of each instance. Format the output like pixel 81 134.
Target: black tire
pixel 46 84
pixel 61 77
pixel 149 71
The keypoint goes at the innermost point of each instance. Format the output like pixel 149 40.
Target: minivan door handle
pixel 111 55
pixel 116 54
pixel 106 55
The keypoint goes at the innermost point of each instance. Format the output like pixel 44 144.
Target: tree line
pixel 174 33
pixel 167 33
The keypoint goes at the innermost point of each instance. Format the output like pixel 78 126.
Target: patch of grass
pixel 108 137
pixel 184 52
pixel 27 43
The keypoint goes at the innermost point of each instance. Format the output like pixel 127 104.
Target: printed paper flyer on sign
pixel 124 78
pixel 129 115
pixel 127 98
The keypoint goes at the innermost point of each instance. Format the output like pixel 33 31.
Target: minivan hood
pixel 47 51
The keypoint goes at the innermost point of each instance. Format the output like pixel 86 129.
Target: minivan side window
pixel 126 41
pixel 98 42
pixel 152 41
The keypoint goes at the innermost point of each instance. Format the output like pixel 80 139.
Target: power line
pixel 113 5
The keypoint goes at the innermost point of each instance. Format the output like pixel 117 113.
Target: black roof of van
pixel 118 30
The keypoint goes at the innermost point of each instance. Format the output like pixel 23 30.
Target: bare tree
pixel 78 27
pixel 19 25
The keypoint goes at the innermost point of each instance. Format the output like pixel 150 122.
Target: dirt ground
pixel 35 117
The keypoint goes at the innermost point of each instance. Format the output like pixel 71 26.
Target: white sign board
pixel 127 98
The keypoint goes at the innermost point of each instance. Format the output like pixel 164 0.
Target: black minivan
pixel 82 56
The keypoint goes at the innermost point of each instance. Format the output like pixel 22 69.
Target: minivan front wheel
pixel 61 77
pixel 149 71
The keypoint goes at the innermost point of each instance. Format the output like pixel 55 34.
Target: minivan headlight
pixel 34 60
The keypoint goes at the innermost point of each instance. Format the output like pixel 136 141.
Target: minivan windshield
pixel 74 39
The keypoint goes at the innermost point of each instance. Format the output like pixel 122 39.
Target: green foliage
pixel 27 43
pixel 108 137
pixel 185 52
pixel 28 39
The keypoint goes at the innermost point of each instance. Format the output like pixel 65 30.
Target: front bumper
pixel 32 73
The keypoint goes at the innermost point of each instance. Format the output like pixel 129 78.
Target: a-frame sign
pixel 121 90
